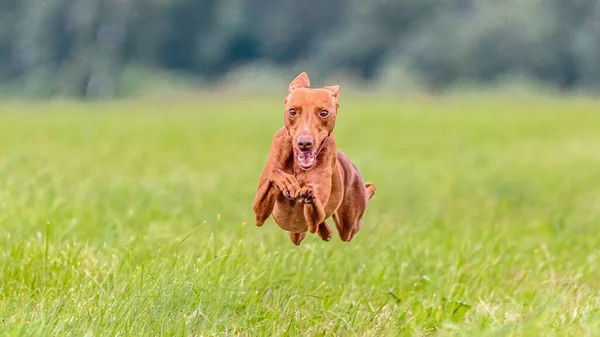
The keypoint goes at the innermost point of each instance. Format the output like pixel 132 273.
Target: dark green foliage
pixel 81 47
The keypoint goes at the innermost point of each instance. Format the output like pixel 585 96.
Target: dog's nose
pixel 305 143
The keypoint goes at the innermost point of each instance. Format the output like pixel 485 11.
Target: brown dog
pixel 306 178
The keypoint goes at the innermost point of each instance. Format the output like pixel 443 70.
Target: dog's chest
pixel 289 215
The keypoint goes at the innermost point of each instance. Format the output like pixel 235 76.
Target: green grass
pixel 135 219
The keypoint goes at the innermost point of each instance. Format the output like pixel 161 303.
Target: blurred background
pixel 119 48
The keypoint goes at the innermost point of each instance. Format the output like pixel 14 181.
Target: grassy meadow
pixel 134 218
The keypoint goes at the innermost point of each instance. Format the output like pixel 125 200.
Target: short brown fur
pixel 306 178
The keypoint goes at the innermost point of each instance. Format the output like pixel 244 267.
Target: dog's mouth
pixel 308 159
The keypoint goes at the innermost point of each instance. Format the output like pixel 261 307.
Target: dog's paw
pixel 286 183
pixel 288 194
pixel 306 196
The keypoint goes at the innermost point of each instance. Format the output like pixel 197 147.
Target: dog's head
pixel 309 118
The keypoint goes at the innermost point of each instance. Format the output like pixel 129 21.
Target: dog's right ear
pixel 301 81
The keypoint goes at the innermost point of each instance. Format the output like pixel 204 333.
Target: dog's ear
pixel 301 81
pixel 334 90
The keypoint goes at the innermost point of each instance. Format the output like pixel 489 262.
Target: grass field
pixel 135 219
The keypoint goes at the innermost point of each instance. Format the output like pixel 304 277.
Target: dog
pixel 306 179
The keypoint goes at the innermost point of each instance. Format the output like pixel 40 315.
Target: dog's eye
pixel 292 112
pixel 324 113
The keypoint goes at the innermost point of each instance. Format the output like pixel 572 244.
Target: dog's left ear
pixel 334 90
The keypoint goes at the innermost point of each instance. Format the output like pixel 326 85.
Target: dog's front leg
pixel 314 214
pixel 314 199
pixel 268 192
pixel 273 179
pixel 264 202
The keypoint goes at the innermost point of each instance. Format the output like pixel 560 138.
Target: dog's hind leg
pixel 324 231
pixel 348 217
pixel 347 225
pixel 370 188
pixel 297 237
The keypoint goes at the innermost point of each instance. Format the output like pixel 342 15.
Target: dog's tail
pixel 370 190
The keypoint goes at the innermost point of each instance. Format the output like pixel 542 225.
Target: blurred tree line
pixel 80 47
